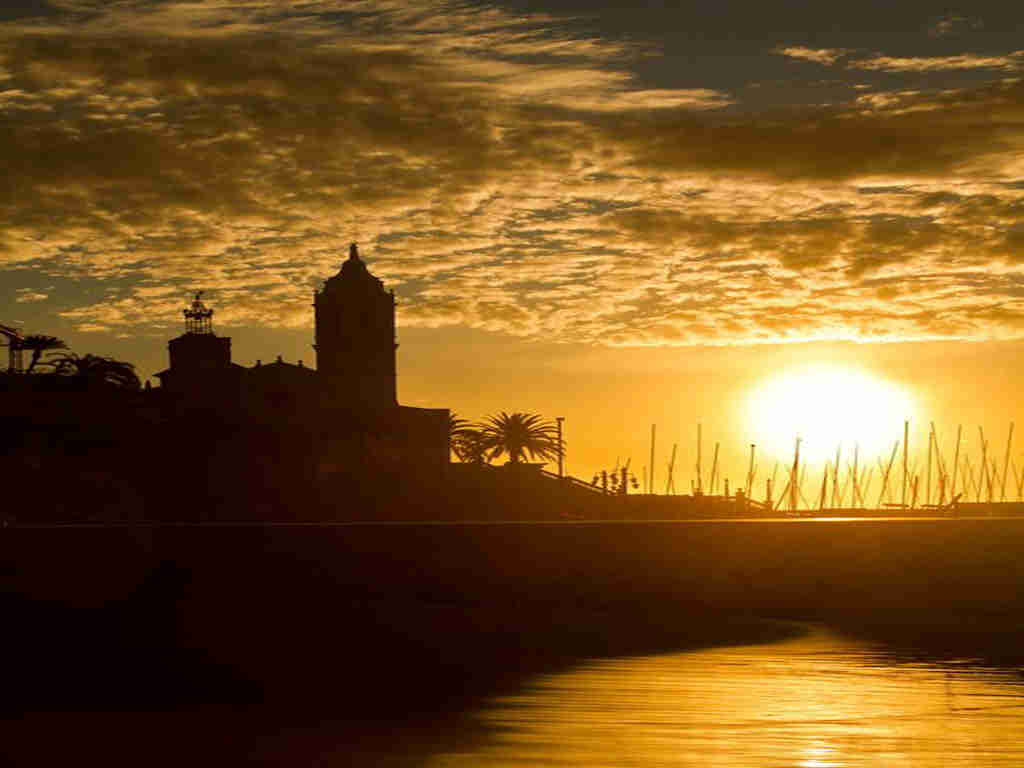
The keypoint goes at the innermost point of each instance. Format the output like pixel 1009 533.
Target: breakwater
pixel 806 565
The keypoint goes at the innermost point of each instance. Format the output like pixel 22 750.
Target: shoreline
pixel 366 629
pixel 386 684
pixel 276 732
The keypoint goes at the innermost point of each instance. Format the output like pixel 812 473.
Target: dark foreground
pixel 324 645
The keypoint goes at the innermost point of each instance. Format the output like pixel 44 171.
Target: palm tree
pixel 519 434
pixel 466 441
pixel 457 426
pixel 95 369
pixel 472 448
pixel 38 344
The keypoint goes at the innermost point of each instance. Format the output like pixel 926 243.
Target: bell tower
pixel 199 350
pixel 355 336
pixel 199 358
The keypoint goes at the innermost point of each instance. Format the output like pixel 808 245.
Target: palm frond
pixel 39 343
pixel 520 435
pixel 96 369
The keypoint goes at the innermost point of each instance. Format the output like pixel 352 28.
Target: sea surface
pixel 818 701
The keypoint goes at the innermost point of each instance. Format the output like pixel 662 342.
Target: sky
pixel 619 213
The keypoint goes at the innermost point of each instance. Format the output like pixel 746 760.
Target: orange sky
pixel 610 397
pixel 677 198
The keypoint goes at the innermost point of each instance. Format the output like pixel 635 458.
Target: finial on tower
pixel 353 252
pixel 198 319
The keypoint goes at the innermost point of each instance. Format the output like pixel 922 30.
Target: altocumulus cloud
pixel 502 173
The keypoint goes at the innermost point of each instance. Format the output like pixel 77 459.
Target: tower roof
pixel 353 275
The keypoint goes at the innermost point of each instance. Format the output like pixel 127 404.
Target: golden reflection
pixel 816 702
pixel 826 405
pixel 818 756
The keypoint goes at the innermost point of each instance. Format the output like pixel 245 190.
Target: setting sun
pixel 826 405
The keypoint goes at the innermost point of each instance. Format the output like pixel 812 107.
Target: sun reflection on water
pixel 817 756
pixel 816 702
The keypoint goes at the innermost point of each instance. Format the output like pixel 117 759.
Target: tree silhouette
pixel 472 448
pixel 457 426
pixel 466 441
pixel 518 435
pixel 97 370
pixel 37 344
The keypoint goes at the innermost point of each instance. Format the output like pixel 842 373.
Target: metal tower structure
pixel 15 362
pixel 198 319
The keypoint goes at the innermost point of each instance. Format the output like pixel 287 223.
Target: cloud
pixel 816 55
pixel 930 134
pixel 499 174
pixel 26 295
pixel 1011 62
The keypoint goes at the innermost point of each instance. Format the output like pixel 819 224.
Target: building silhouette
pixel 344 414
pixel 220 441
pixel 198 355
pixel 355 336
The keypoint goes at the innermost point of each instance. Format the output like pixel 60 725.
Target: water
pixel 819 701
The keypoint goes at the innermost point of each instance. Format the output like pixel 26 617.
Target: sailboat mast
pixel 928 473
pixel 906 440
pixel 887 473
pixel 1006 464
pixel 856 477
pixel 835 478
pixel 714 472
pixel 983 472
pixel 700 483
pixel 650 483
pixel 824 483
pixel 794 478
pixel 956 462
pixel 670 484
pixel 750 474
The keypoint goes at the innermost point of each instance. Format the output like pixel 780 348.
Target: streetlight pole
pixel 561 447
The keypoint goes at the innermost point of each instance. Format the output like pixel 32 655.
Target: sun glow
pixel 826 405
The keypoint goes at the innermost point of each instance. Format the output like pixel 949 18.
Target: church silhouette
pixel 348 404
